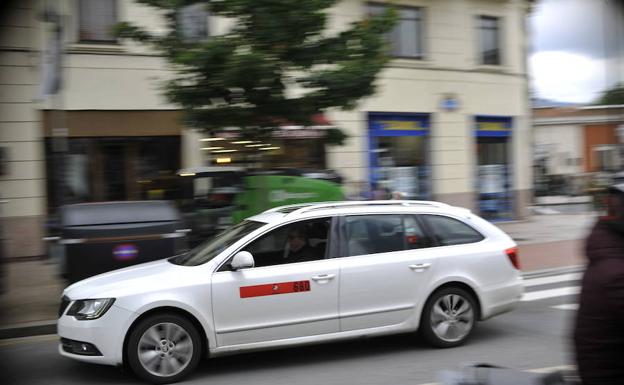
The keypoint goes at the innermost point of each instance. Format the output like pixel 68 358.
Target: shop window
pixel 406 39
pixel 102 169
pixel 402 165
pixel 96 21
pixel 398 147
pixel 296 153
pixel 489 40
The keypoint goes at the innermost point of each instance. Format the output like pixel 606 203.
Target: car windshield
pixel 213 246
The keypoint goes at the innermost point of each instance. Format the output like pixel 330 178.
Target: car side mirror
pixel 242 260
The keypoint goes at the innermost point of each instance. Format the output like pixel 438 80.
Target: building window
pixel 489 35
pixel 406 39
pixel 607 158
pixel 193 22
pixel 97 19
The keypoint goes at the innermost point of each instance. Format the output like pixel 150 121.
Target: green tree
pixel 613 96
pixel 276 64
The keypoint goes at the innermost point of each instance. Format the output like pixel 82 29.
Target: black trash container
pixel 100 237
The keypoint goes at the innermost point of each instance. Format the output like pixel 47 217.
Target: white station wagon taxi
pixel 296 275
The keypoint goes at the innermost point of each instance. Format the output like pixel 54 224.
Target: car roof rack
pixel 307 207
pixel 287 209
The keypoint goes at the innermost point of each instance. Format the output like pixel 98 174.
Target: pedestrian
pixel 398 195
pixel 379 192
pixel 599 331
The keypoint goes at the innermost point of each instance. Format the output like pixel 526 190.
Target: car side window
pixel 296 242
pixel 371 234
pixel 415 236
pixel 449 231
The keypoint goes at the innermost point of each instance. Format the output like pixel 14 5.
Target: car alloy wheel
pixel 449 317
pixel 164 348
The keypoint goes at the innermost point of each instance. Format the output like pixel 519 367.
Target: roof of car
pixel 304 210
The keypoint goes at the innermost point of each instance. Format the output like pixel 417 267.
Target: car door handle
pixel 420 266
pixel 323 277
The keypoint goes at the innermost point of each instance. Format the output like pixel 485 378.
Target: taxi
pixel 295 275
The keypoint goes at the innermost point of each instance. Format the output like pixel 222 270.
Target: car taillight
pixel 512 254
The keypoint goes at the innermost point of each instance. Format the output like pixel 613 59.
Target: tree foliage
pixel 276 64
pixel 613 96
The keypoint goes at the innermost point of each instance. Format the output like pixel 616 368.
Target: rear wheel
pixel 449 317
pixel 164 348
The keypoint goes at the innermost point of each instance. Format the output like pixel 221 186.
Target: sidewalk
pixel 31 299
pixel 551 241
pixel 31 302
pixel 549 228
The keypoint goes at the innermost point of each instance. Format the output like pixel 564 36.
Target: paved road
pixel 533 336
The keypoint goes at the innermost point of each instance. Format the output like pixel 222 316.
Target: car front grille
pixel 64 303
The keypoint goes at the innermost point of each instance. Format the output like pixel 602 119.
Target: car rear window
pixel 449 231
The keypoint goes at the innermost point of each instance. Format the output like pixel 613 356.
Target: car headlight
pixel 88 309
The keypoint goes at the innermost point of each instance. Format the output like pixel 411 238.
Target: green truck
pixel 216 197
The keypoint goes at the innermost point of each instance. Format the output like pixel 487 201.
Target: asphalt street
pixel 534 336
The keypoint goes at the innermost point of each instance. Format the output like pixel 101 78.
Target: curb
pixel 553 271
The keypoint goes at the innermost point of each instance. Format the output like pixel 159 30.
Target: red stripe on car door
pixel 274 288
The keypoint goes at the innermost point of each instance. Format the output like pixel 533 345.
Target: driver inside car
pixel 299 249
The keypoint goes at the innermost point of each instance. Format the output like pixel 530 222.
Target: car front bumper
pixel 106 334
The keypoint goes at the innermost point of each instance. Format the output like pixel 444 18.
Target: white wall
pixel 565 142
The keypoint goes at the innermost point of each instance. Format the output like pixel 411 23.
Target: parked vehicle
pixel 214 198
pixel 295 275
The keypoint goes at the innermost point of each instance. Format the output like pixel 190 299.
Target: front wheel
pixel 164 348
pixel 449 317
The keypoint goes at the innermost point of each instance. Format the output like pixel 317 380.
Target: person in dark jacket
pixel 299 246
pixel 599 331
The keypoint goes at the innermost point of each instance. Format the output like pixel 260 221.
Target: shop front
pixel 113 169
pixel 287 146
pixel 398 155
pixel 493 136
pixel 112 156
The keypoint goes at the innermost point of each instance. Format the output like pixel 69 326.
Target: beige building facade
pixel 22 184
pixel 450 120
